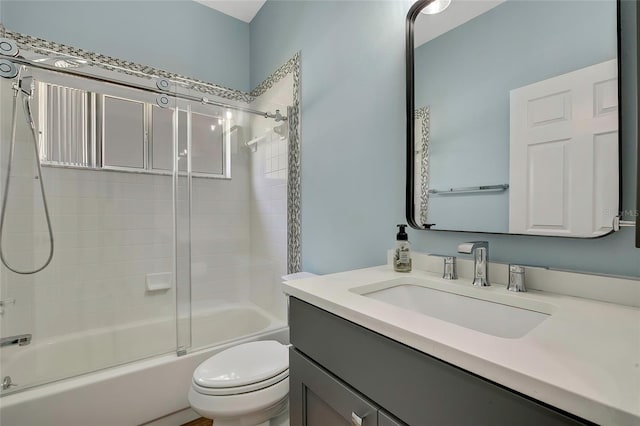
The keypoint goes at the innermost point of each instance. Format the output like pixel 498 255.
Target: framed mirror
pixel 513 117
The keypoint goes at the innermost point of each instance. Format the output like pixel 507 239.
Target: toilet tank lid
pixel 244 364
pixel 298 276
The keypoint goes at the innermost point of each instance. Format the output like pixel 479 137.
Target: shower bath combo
pixel 15 67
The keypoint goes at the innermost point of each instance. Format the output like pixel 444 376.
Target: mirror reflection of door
pixel 523 117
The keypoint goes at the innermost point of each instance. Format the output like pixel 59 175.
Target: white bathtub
pixel 129 394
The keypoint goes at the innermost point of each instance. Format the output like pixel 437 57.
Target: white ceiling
pixel 428 27
pixel 244 10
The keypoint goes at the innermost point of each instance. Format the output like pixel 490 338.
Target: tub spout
pixel 20 340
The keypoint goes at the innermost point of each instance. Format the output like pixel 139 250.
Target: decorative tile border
pixel 423 114
pixel 294 255
pixel 288 67
pixel 45 47
pixel 48 48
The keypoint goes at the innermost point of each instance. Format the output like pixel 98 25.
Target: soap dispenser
pixel 402 255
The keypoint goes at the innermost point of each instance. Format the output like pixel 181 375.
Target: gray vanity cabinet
pixel 341 372
pixel 319 399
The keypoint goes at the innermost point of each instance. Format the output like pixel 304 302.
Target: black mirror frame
pixel 412 15
pixel 636 216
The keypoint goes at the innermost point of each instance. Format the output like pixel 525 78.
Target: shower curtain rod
pixel 203 100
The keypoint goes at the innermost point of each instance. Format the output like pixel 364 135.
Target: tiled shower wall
pixel 269 201
pixel 112 229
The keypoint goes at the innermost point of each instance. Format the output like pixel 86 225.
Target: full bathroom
pixel 311 212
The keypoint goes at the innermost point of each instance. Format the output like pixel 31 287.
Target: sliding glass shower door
pixel 114 195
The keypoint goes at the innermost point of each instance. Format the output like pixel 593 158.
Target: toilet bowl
pixel 246 385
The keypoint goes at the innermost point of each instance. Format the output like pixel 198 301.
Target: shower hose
pixel 26 103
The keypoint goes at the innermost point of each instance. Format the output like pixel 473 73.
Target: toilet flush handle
pixel 356 420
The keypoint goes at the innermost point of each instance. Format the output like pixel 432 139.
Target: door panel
pixel 563 154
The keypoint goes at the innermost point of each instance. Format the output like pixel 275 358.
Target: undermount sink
pixel 473 309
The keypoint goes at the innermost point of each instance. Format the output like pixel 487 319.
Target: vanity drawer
pixel 414 387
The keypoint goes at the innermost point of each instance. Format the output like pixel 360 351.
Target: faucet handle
pixel 448 266
pixel 449 270
pixel 516 279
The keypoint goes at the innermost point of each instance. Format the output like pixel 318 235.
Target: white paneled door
pixel 563 167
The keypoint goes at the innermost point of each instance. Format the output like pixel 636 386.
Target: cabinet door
pixel 386 419
pixel 319 399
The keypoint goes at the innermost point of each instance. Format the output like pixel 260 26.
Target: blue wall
pixel 352 121
pixel 353 145
pixel 353 117
pixel 465 76
pixel 178 36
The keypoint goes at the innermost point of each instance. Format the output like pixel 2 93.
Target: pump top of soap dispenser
pixel 402 235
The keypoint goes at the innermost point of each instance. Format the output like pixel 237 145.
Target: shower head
pixel 282 130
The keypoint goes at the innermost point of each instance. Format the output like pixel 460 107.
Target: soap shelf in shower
pixel 470 189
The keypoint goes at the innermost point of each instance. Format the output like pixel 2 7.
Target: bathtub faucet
pixel 20 340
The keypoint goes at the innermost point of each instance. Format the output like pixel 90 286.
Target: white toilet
pixel 246 385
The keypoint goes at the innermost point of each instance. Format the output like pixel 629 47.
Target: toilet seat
pixel 241 389
pixel 243 365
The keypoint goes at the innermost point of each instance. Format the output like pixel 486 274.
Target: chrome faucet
pixel 20 340
pixel 448 266
pixel 480 251
pixel 516 279
pixel 449 270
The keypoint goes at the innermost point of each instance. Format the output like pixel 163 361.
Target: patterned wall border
pixel 294 254
pixel 423 115
pixel 46 47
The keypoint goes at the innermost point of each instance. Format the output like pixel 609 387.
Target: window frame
pixel 94 119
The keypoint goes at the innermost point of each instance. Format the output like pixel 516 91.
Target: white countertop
pixel 584 358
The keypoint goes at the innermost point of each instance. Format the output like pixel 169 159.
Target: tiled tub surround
pixel 582 359
pixel 269 182
pixel 112 230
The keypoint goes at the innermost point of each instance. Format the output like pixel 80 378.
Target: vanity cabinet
pixel 339 369
pixel 317 398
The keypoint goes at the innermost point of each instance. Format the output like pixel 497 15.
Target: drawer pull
pixel 356 420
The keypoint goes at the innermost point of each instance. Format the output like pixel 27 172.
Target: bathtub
pixel 129 394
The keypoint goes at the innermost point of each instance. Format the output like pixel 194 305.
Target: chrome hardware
pixel 20 340
pixel 450 272
pixel 448 267
pixel 27 85
pixel 480 251
pixel 162 101
pixel 618 223
pixel 8 47
pixel 470 189
pixel 181 351
pixel 8 69
pixel 516 278
pixel 163 84
pixel 276 116
pixel 356 420
pixel 7 383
